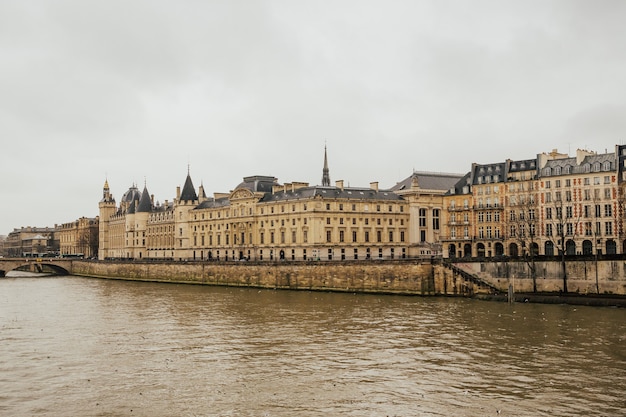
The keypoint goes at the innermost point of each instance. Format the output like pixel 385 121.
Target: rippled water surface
pixel 74 346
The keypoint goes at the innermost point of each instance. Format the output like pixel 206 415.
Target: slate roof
pixel 213 203
pixel 332 193
pixel 258 183
pixel 588 164
pixel 131 195
pixel 488 173
pixel 522 165
pixel 457 188
pixel 429 181
pixel 145 202
pixel 188 193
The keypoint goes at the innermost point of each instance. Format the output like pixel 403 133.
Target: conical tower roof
pixel 145 202
pixel 188 193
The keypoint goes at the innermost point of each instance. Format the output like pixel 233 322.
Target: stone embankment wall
pixel 611 275
pixel 388 277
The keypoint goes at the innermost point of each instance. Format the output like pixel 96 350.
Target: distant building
pixel 32 242
pixel 79 238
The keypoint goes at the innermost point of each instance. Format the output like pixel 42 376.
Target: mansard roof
pixel 213 203
pixel 522 165
pixel 188 193
pixel 590 163
pixel 488 173
pixel 258 183
pixel 332 193
pixel 429 181
pixel 462 186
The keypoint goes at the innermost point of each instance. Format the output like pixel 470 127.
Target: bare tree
pixel 523 225
pixel 562 222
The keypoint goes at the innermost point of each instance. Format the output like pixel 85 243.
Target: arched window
pixel 480 249
pixel 452 251
pixel 611 247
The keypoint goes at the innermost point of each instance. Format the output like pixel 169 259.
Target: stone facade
pixel 548 205
pixel 79 238
pixel 263 220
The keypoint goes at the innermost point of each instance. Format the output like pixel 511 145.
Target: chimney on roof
pixel 374 185
pixel 339 184
pixel 178 193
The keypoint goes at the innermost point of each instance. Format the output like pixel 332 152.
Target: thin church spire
pixel 325 174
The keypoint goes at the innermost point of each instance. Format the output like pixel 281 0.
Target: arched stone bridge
pixel 54 265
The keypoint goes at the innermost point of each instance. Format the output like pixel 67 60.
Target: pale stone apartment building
pixel 551 204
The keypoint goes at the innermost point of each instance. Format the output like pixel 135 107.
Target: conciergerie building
pixel 547 205
pixel 264 220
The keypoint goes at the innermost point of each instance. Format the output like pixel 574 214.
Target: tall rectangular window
pixel 422 217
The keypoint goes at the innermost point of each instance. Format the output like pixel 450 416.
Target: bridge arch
pixel 34 265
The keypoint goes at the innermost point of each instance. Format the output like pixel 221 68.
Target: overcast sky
pixel 138 91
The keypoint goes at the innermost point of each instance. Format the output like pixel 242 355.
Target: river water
pixel 73 346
